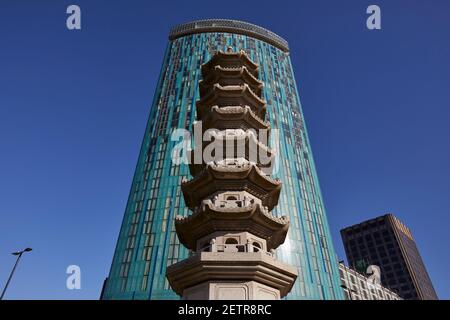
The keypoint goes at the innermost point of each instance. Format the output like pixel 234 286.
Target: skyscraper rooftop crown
pixel 232 26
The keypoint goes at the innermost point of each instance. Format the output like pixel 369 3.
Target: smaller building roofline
pixel 378 218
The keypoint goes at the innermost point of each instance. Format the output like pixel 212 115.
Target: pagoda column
pixel 231 232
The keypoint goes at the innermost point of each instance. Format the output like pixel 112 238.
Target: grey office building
pixel 388 243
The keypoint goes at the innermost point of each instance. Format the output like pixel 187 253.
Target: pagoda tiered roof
pixel 233 117
pixel 252 218
pixel 215 177
pixel 231 96
pixel 230 59
pixel 252 150
pixel 230 77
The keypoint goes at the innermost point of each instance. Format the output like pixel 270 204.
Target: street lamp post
pixel 19 255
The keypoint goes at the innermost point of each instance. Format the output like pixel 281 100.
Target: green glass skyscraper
pixel 147 242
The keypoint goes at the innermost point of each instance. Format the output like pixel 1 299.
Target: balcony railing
pixel 226 25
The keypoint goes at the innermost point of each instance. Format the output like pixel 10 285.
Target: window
pixel 231 241
pixel 206 247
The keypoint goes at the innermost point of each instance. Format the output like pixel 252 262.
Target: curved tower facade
pixel 148 242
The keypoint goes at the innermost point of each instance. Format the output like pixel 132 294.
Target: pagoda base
pixel 247 290
pixel 231 275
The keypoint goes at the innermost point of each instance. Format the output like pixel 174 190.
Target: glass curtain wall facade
pixel 147 242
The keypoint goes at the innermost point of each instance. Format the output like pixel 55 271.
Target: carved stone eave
pixel 253 218
pixel 233 117
pixel 247 266
pixel 230 77
pixel 230 59
pixel 215 178
pixel 245 140
pixel 231 96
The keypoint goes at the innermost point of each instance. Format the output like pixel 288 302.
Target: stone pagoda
pixel 231 234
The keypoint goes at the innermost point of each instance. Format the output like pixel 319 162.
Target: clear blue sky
pixel 74 105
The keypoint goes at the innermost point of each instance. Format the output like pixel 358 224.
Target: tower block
pixel 231 232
